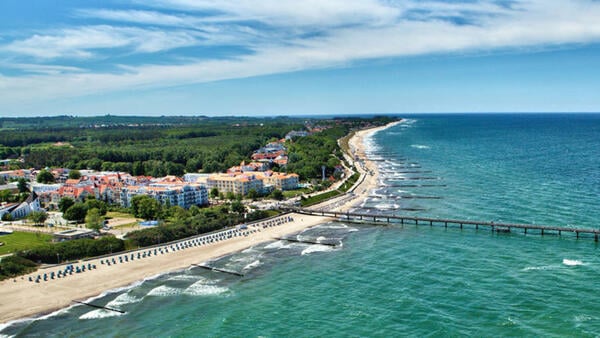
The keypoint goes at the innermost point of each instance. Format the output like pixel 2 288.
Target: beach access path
pixel 20 298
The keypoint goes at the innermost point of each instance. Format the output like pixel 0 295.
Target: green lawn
pixel 319 198
pixel 116 214
pixel 22 240
pixel 294 193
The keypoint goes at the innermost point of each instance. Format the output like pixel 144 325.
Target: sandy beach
pixel 21 298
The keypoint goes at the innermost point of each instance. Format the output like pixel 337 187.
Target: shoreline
pixel 47 297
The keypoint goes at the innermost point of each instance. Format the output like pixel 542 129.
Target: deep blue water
pixel 405 280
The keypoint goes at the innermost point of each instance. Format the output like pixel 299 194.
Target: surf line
pixel 235 273
pixel 303 241
pixel 98 306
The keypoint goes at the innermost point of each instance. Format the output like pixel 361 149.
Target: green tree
pixel 214 192
pixel 179 214
pixel 74 174
pixel 22 185
pixel 76 212
pixel 44 176
pixel 5 195
pixel 7 217
pixel 230 195
pixel 65 203
pixel 93 203
pixel 38 217
pixel 145 207
pixel 93 219
pixel 253 194
pixel 277 195
pixel 238 207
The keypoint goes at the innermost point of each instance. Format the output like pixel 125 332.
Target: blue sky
pixel 265 57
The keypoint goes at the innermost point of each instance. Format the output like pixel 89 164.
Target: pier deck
pixel 493 226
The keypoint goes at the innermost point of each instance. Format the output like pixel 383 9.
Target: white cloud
pixel 348 31
pixel 84 42
pixel 42 69
pixel 319 13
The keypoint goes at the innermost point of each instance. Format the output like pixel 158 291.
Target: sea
pixel 402 280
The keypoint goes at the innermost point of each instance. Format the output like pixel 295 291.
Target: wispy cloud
pixel 86 41
pixel 285 36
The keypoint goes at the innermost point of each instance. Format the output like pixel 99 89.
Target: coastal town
pixel 119 188
pixel 140 263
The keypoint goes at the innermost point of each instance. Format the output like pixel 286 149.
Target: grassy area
pixel 273 213
pixel 294 193
pixel 125 226
pixel 319 198
pixel 22 240
pixel 116 214
pixel 349 182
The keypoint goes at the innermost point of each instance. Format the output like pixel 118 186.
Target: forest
pixel 160 146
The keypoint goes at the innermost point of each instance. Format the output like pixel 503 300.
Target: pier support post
pixel 525 231
pixel 542 232
pixel 577 234
pixel 596 237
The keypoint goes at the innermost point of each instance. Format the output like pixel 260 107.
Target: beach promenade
pixel 31 295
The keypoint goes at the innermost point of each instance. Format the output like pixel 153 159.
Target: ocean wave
pixel 317 248
pixel 204 288
pixel 123 299
pixel 163 291
pixel 100 313
pixel 572 262
pixel 543 267
pixel 420 146
pixel 277 245
pixel 183 277
pixel 252 265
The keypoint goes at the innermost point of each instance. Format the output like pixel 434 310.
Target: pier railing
pixel 493 226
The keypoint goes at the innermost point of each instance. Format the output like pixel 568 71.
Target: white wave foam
pixel 277 245
pixel 333 226
pixel 183 278
pixel 123 299
pixel 100 313
pixel 252 265
pixel 164 290
pixel 204 288
pixel 572 262
pixel 386 206
pixel 317 248
pixel 420 146
pixel 544 267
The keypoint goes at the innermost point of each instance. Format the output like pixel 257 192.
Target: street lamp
pixel 57 258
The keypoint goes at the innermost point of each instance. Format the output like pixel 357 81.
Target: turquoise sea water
pixel 404 281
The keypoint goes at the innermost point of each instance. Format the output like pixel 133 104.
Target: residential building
pixel 237 184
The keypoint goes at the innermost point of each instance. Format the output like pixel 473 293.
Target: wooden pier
pixel 492 226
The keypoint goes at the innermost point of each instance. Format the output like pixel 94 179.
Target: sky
pixel 279 57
